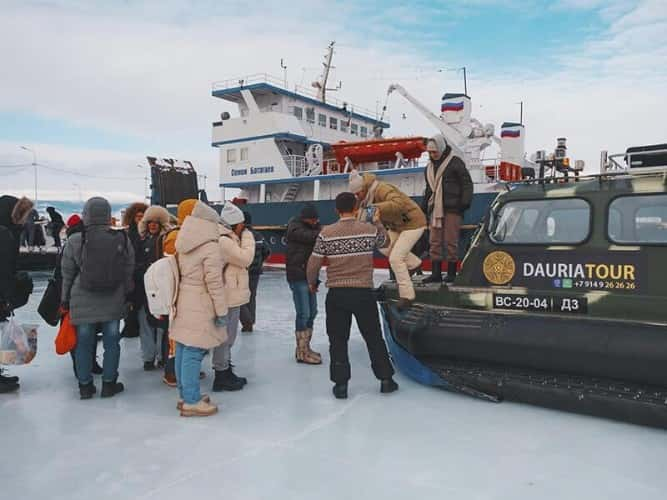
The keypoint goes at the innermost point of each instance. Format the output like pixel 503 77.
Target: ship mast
pixel 321 84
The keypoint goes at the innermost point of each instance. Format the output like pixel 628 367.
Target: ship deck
pixel 285 437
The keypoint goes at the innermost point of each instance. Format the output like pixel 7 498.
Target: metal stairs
pixel 291 192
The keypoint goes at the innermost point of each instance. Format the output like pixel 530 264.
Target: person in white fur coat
pixel 237 245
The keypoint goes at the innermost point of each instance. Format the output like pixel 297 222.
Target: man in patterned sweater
pixel 348 247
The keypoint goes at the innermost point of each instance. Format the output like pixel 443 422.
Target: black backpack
pixel 102 260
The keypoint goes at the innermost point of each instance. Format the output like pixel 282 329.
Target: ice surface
pixel 285 437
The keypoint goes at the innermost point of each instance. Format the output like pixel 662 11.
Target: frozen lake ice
pixel 285 436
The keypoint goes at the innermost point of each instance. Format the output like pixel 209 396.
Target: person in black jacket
pixel 262 252
pixel 56 225
pixel 13 214
pixel 302 233
pixel 448 194
pixel 131 218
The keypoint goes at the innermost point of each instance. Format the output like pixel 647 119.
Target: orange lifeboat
pixel 376 150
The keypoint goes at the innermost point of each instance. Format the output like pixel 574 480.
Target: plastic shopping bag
pixel 18 343
pixel 66 338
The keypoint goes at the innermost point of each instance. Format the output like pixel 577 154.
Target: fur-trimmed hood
pixel 131 211
pixel 155 213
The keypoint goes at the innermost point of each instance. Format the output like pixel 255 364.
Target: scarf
pixel 434 179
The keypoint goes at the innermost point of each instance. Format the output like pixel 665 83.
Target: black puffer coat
pixel 300 242
pixel 457 187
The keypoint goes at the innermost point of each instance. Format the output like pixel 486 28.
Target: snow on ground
pixel 285 436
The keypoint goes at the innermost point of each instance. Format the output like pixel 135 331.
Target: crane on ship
pixel 466 135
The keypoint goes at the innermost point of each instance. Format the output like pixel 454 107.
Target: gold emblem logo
pixel 499 267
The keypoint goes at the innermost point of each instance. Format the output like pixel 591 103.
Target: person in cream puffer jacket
pixel 237 246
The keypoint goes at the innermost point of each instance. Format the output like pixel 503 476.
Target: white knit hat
pixel 356 182
pixel 231 214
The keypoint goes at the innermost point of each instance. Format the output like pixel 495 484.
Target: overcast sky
pixel 94 87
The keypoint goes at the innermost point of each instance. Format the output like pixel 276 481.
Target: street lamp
pixel 146 189
pixel 34 164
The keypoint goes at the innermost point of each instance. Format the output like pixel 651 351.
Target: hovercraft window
pixel 542 222
pixel 322 120
pixel 638 219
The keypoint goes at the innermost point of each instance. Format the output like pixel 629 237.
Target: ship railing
pixel 256 78
pixel 621 162
pixel 296 164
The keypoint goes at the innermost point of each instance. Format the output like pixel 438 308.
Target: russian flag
pixel 451 106
pixel 510 133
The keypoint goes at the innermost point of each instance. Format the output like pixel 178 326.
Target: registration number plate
pixel 540 303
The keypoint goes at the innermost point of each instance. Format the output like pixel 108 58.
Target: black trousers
pixel 341 305
pixel 248 315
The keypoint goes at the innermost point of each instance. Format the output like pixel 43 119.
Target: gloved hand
pixel 220 321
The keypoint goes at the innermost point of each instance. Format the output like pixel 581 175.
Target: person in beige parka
pixel 237 245
pixel 200 319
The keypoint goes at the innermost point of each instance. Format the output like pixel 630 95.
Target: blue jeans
pixel 188 366
pixel 85 344
pixel 305 304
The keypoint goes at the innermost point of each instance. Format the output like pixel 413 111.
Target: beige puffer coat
pixel 237 255
pixel 201 294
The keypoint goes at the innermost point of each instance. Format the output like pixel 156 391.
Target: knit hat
pixel 356 182
pixel 309 212
pixel 97 212
pixel 73 220
pixel 231 214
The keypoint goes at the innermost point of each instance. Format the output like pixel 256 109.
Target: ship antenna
pixel 321 84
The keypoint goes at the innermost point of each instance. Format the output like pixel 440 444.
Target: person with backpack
pixel 169 248
pixel 237 246
pixel 152 229
pixel 97 267
pixel 75 225
pixel 55 225
pixel 199 321
pixel 131 218
pixel 13 214
pixel 262 252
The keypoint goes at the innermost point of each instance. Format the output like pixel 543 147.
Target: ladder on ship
pixel 292 191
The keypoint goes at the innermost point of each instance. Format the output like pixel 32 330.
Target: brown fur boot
pixel 303 353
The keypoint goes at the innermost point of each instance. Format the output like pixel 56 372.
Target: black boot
pixel 243 380
pixel 7 379
pixel 340 391
pixel 149 366
pixel 388 385
pixel 86 391
pixel 436 273
pixel 225 380
pixel 110 389
pixel 7 387
pixel 451 272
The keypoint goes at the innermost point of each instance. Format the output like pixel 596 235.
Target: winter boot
pixel 243 380
pixel 451 272
pixel 86 391
pixel 110 389
pixel 340 391
pixel 201 409
pixel 7 387
pixel 246 327
pixel 436 273
pixel 310 351
pixel 149 366
pixel 303 352
pixel 204 397
pixel 169 379
pixel 225 380
pixel 388 385
pixel 7 379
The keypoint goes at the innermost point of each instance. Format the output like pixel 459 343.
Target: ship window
pixel 322 120
pixel 343 125
pixel 638 219
pixel 231 156
pixel 298 112
pixel 541 222
pixel 333 123
pixel 244 154
pixel 363 132
pixel 354 128
pixel 310 115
